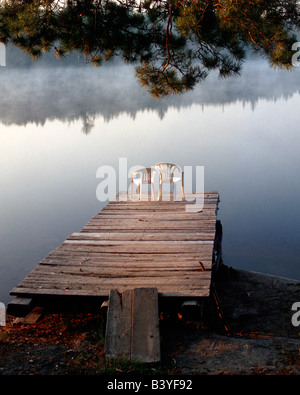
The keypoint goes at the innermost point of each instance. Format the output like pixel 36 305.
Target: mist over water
pixel 59 124
pixel 36 95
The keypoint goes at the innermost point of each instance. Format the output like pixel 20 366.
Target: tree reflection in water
pixel 175 43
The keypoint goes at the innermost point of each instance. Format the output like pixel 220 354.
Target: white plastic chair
pixel 145 175
pixel 166 175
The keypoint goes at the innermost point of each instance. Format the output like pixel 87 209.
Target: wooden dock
pixel 132 244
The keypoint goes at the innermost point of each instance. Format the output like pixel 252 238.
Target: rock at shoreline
pixel 258 302
pixel 256 308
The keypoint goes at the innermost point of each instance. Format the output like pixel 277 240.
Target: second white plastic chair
pixel 166 175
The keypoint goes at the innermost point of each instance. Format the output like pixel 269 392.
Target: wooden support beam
pixel 145 345
pixel 33 317
pixel 132 330
pixel 19 306
pixel 118 327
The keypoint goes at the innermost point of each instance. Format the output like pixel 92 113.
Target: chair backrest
pixel 144 174
pixel 167 170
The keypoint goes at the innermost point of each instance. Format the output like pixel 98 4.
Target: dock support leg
pixel 132 330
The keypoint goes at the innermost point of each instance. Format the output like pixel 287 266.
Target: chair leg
pixel 152 191
pixel 131 191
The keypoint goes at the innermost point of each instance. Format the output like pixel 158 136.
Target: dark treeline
pixel 175 43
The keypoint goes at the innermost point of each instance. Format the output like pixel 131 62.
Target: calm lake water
pixel 59 124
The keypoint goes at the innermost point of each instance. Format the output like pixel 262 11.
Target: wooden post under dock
pixel 132 330
pixel 130 245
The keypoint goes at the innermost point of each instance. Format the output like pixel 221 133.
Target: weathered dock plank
pixel 144 236
pixel 132 244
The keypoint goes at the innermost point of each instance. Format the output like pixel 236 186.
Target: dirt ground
pixel 246 328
